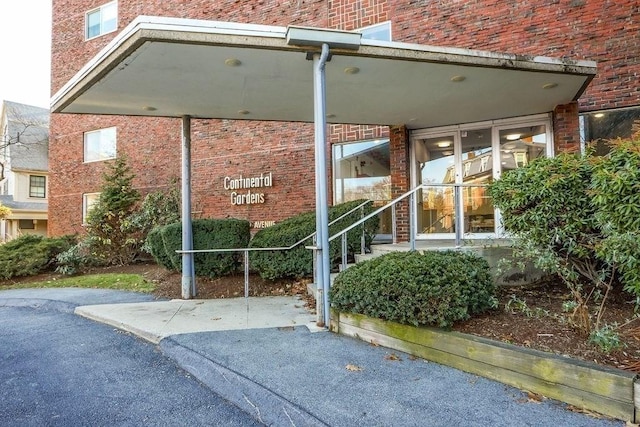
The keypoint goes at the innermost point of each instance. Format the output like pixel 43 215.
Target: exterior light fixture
pixel 598 115
pixel 149 108
pixel 549 85
pixel 443 144
pixel 351 70
pixel 243 112
pixel 458 79
pixel 330 116
pixel 232 62
pixel 513 136
pixel 308 36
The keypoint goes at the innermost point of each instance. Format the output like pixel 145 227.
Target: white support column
pixel 188 273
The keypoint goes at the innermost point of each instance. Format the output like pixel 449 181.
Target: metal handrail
pixel 400 198
pixel 281 248
pixel 277 248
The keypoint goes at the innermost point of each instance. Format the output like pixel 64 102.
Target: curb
pixel 262 403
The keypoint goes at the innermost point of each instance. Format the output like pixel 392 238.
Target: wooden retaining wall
pixel 586 385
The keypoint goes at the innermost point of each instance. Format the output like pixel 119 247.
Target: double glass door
pixel 455 166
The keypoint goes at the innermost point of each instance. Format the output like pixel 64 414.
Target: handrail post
pixel 343 265
pixel 412 215
pixel 246 273
pixel 363 242
pixel 394 232
pixel 459 213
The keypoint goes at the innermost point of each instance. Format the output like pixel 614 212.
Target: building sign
pixel 262 224
pixel 243 189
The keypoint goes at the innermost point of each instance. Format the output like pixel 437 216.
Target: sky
pixel 25 51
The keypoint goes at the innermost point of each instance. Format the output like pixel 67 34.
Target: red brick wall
pixel 400 182
pixel 566 128
pixel 219 148
pixel 606 31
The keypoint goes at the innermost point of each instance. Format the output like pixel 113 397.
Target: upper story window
pixel 100 145
pixel 102 20
pixel 381 31
pixel 37 186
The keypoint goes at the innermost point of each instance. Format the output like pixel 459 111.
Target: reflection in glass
pixel 362 170
pixel 436 208
pixel 477 165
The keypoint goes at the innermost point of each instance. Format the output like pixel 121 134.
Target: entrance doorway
pixel 456 164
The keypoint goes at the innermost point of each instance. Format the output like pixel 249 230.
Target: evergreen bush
pixel 207 234
pixel 31 254
pixel 432 288
pixel 298 262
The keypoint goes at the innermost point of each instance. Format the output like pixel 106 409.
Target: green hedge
pixel 207 234
pixel 31 254
pixel 434 288
pixel 298 262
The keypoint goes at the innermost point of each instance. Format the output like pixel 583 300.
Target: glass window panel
pixel 93 24
pixel 100 145
pixel 612 124
pixel 521 145
pixel 380 31
pixel 362 170
pixel 109 18
pixel 37 186
pixel 88 201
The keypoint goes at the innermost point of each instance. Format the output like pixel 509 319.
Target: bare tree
pixel 26 128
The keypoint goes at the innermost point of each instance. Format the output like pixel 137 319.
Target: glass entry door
pixel 460 157
pixel 456 165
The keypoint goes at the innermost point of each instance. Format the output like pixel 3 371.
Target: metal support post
pixel 322 210
pixel 188 271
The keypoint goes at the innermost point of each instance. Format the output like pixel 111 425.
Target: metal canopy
pixel 175 67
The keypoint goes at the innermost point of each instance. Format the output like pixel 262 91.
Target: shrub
pixel 298 262
pixel 578 217
pixel 207 234
pixel 30 255
pixel 77 257
pixel 434 288
pixel 158 208
pixel 112 239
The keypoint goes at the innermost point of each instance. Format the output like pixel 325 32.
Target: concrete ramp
pixel 156 320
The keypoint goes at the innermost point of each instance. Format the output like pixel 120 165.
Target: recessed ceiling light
pixel 549 85
pixel 150 108
pixel 232 62
pixel 443 144
pixel 513 136
pixel 330 116
pixel 598 115
pixel 458 79
pixel 351 70
pixel 447 153
pixel 243 112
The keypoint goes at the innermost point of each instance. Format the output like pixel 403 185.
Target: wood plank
pixel 595 379
pixel 616 401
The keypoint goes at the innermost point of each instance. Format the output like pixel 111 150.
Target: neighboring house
pixel 24 166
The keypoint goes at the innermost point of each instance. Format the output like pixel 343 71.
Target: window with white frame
pixel 100 145
pixel 101 20
pixel 88 202
pixel 381 31
pixel 37 186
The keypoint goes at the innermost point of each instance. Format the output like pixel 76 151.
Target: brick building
pixel 369 161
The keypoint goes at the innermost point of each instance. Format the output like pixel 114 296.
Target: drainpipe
pixel 322 210
pixel 188 279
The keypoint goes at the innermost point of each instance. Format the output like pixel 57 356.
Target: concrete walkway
pixel 261 355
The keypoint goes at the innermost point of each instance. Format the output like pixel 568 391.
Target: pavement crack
pixel 258 415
